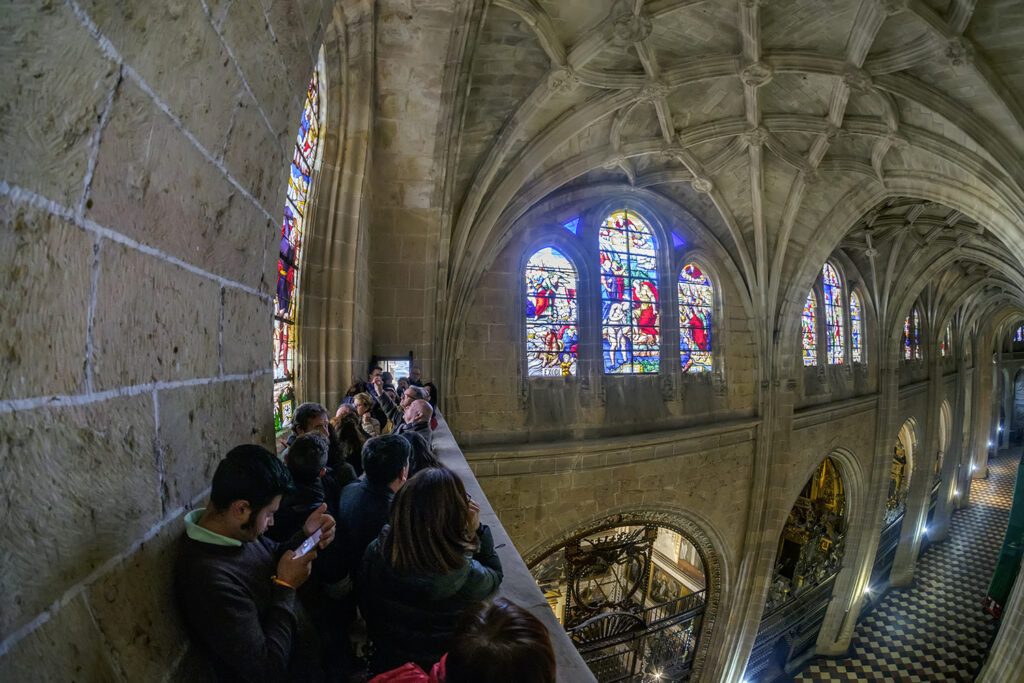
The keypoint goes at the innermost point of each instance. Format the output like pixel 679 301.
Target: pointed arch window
pixel 696 297
pixel 809 330
pixel 552 315
pixel 630 328
pixel 290 254
pixel 856 329
pixel 1019 335
pixel 832 290
pixel 911 327
pixel 947 339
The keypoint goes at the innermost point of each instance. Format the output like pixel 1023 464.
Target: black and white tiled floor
pixel 936 629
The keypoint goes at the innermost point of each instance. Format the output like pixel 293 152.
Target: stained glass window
pixel 947 339
pixel 696 296
pixel 629 295
pixel 292 236
pixel 810 331
pixel 1019 336
pixel 917 330
pixel 572 226
pixel 856 329
pixel 907 340
pixel 833 290
pixel 552 331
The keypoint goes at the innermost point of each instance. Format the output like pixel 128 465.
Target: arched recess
pixel 900 469
pixel 808 560
pixel 596 543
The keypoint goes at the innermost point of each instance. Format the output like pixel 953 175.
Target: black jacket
pixel 412 617
pixel 362 512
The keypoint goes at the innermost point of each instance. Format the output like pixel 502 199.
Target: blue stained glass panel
pixel 572 226
pixel 290 248
pixel 833 291
pixel 856 329
pixel 677 241
pixel 1019 336
pixel 631 332
pixel 809 331
pixel 552 336
pixel 696 297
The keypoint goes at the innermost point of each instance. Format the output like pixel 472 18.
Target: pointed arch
pixel 305 161
pixel 911 332
pixel 947 340
pixel 696 300
pixel 552 314
pixel 809 322
pixel 832 290
pixel 856 329
pixel 630 328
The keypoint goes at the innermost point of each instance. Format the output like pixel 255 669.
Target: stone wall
pixel 146 152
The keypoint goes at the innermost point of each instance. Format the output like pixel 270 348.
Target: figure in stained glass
pixel 696 296
pixel 1019 336
pixel 856 329
pixel 289 254
pixel 833 292
pixel 551 315
pixel 629 295
pixel 808 328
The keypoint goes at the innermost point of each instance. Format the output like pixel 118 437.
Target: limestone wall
pixel 146 148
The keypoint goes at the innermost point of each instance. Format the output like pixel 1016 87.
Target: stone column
pixel 948 498
pixel 1006 658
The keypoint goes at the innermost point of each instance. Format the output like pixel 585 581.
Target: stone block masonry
pixel 142 182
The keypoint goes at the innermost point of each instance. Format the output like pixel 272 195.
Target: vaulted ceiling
pixel 892 129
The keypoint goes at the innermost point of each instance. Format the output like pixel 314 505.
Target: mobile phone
pixel 308 544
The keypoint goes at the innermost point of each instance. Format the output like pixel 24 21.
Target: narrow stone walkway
pixel 936 629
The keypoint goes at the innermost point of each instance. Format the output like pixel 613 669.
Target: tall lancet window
pixel 1019 335
pixel 630 327
pixel 856 329
pixel 911 328
pixel 696 296
pixel 947 339
pixel 293 234
pixel 833 292
pixel 809 330
pixel 552 318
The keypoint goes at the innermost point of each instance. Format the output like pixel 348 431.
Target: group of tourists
pixel 321 566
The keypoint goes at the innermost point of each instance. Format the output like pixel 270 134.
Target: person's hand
pixel 295 570
pixel 474 516
pixel 378 383
pixel 322 521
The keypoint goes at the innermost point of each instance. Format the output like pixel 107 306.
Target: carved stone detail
pixel 891 7
pixel 652 91
pixel 755 137
pixel 857 80
pixel 562 80
pixel 631 28
pixel 703 185
pixel 757 74
pixel 959 52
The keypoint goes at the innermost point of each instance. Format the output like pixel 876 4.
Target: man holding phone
pixel 236 588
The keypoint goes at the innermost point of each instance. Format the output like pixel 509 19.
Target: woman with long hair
pixel 431 565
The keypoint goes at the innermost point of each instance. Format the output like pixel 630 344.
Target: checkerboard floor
pixel 936 629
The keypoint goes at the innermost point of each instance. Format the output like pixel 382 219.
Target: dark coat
pixel 362 512
pixel 422 453
pixel 413 617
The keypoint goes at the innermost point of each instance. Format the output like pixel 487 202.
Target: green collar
pixel 203 535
